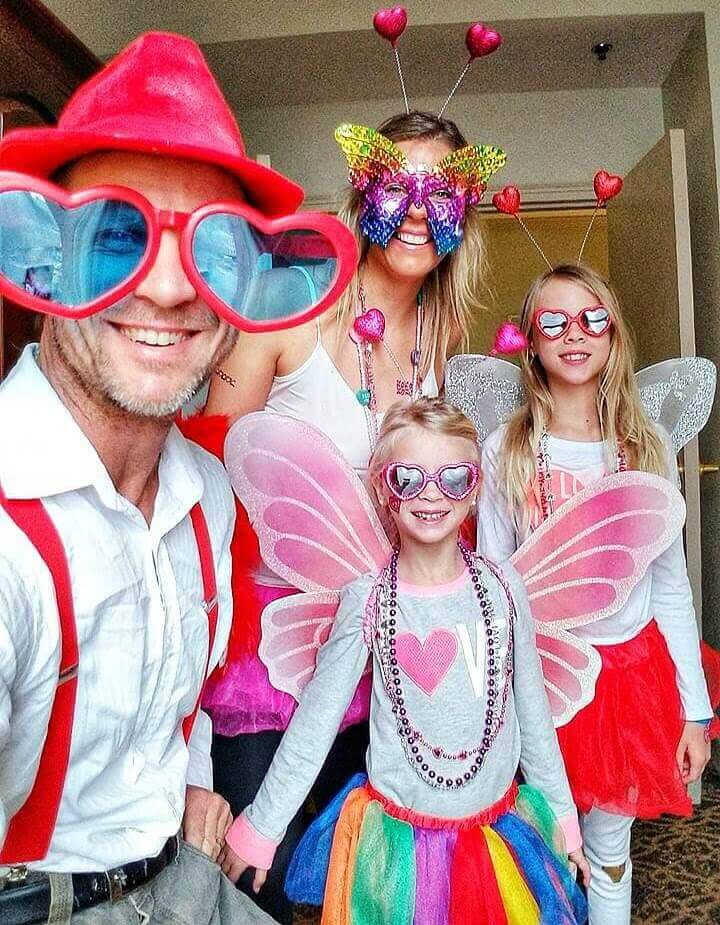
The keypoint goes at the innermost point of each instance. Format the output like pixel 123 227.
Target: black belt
pixel 25 898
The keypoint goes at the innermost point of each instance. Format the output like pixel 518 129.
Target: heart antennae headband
pixel 606 186
pixel 480 41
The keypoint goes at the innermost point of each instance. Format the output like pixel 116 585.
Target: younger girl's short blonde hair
pixel 431 414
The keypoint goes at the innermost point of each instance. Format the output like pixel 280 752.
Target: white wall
pixel 553 140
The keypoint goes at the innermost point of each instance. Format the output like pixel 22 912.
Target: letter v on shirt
pixel 475 661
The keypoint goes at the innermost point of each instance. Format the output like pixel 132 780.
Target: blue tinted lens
pixel 69 256
pixel 262 277
pixel 108 240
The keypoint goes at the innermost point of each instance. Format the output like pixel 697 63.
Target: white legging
pixel 606 838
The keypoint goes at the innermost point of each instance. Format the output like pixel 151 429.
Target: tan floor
pixel 677 868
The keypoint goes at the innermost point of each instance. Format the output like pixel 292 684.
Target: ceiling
pixel 320 67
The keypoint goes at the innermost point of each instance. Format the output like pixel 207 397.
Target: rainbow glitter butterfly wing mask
pixel 390 184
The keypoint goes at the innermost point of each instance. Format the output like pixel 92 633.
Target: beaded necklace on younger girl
pixel 418 750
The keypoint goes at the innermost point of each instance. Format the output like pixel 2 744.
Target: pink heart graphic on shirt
pixel 426 663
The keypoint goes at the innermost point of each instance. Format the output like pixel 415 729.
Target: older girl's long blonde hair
pixel 622 417
pixel 453 293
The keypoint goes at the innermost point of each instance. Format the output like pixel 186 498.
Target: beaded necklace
pixel 419 752
pixel 544 472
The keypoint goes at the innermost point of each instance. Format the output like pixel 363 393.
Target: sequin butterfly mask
pixel 390 184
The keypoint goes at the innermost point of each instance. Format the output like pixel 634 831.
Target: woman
pixel 422 266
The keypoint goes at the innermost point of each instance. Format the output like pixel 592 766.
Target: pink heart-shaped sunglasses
pixel 552 323
pixel 408 480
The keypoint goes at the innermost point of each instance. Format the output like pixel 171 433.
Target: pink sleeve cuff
pixel 571 830
pixel 250 845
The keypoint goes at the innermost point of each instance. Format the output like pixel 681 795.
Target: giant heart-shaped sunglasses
pixel 75 254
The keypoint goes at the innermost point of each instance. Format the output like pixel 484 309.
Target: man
pixel 132 533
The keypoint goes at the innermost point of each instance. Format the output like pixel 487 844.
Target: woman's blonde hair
pixel 430 414
pixel 622 417
pixel 454 291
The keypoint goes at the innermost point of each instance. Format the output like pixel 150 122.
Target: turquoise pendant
pixel 363 396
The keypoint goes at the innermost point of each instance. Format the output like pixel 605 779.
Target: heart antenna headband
pixel 606 186
pixel 480 41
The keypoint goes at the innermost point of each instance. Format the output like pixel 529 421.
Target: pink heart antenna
pixel 390 25
pixel 480 41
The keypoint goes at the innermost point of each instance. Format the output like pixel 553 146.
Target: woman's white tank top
pixel 317 393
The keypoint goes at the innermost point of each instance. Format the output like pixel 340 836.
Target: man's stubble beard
pixel 101 384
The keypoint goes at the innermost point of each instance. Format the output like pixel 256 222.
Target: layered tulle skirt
pixel 369 862
pixel 620 750
pixel 241 699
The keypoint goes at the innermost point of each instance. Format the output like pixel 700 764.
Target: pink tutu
pixel 240 699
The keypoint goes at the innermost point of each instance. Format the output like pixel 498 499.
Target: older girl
pixel 643 738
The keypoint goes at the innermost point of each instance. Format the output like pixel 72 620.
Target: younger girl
pixel 440 832
pixel 634 749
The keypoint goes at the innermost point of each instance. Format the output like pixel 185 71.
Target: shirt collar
pixel 44 452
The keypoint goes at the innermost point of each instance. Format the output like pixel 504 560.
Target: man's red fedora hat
pixel 157 97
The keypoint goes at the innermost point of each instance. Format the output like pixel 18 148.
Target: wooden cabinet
pixel 41 63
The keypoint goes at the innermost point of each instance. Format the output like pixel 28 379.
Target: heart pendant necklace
pixel 367 330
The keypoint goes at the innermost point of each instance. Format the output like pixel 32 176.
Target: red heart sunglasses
pixel 552 323
pixel 75 254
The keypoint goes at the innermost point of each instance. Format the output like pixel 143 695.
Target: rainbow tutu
pixel 369 862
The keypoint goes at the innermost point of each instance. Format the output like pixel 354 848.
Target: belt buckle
pixel 117 881
pixel 13 875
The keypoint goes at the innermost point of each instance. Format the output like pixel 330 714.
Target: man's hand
pixel 234 867
pixel 207 818
pixel 693 752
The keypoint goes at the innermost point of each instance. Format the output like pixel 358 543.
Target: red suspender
pixel 31 828
pixel 210 600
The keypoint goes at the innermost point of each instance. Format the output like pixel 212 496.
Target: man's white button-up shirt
pixel 142 630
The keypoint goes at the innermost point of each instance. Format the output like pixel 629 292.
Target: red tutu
pixel 620 749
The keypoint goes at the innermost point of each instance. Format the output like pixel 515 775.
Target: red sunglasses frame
pixel 431 477
pixel 571 319
pixel 184 224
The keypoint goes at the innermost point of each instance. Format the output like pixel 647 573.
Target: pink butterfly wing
pixel 581 566
pixel 314 519
pixel 570 668
pixel 293 629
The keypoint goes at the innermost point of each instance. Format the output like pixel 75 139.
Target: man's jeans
pixel 190 891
